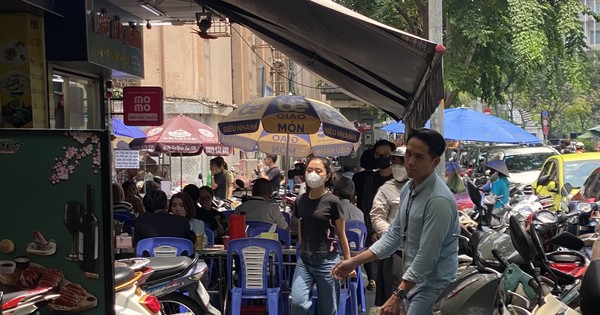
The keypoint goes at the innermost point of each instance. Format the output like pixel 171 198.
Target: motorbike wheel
pixel 177 303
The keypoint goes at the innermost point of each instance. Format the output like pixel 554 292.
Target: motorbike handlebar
pixel 500 258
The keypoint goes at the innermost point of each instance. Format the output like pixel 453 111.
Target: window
pixel 74 102
pixel 594 37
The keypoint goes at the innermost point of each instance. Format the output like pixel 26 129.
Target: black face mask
pixel 383 162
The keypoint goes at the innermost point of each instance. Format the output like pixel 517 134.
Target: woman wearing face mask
pixel 499 184
pixel 321 220
pixel 385 206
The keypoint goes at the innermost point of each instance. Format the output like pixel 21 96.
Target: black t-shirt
pixel 318 223
pixel 274 176
pixel 372 184
pixel 162 224
pixel 220 179
pixel 208 217
pixel 359 185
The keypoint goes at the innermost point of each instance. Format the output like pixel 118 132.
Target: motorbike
pixel 482 290
pixel 130 299
pixel 26 302
pixel 174 281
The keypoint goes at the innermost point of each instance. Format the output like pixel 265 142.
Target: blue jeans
pixel 421 301
pixel 311 270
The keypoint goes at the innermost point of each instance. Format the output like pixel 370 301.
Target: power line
pixel 274 69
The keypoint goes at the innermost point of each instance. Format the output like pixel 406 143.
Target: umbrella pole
pixel 180 171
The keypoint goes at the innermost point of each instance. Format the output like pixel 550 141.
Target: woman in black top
pixel 321 220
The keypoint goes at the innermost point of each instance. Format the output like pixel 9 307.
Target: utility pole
pixel 436 35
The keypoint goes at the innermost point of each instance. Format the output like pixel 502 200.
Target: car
pixel 563 170
pixel 590 190
pixel 523 163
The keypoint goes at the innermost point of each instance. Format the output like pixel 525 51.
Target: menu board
pixel 56 227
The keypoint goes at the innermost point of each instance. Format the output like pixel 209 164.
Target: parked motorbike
pixel 174 281
pixel 130 299
pixel 26 302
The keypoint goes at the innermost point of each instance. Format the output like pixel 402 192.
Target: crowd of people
pixel 409 212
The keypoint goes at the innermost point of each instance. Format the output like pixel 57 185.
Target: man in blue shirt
pixel 423 229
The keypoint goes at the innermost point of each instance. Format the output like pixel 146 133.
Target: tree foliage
pixel 529 54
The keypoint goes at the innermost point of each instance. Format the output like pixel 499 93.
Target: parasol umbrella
pixel 119 129
pixel 183 136
pixel 298 145
pixel 470 125
pixel 290 126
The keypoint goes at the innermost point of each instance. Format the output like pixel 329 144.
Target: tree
pixel 497 46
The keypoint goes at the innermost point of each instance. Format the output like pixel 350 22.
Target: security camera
pixel 204 21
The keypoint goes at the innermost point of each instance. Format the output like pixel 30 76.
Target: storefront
pixel 56 61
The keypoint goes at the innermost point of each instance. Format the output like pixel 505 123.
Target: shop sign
pixel 127 159
pixel 143 106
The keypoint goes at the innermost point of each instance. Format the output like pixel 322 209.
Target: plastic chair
pixel 259 269
pixel 127 218
pixel 164 247
pixel 358 227
pixel 210 237
pixel 356 243
pixel 257 227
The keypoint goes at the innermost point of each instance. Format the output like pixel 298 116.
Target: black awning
pixel 385 67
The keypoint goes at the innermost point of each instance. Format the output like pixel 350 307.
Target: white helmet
pixel 400 151
pixel 579 145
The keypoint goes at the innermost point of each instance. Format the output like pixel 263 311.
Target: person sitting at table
pixel 181 204
pixel 132 196
pixel 258 208
pixel 119 203
pixel 157 222
pixel 343 188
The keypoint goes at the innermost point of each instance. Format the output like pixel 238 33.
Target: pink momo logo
pixel 155 131
pixel 206 133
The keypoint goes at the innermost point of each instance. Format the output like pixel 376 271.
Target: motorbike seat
pixel 165 267
pixel 123 275
pixel 590 289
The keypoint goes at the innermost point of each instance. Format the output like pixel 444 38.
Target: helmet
pixel 579 145
pixel 400 151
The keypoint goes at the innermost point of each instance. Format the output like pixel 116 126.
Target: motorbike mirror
pixel 240 183
pixel 200 177
pixel 474 193
pixel 521 240
pixel 566 189
pixel 543 180
pixel 568 240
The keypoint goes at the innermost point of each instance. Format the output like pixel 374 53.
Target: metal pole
pixel 436 29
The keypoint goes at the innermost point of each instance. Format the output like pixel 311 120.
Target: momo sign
pixel 143 106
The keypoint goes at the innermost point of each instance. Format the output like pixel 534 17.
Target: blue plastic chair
pixel 128 219
pixel 358 245
pixel 210 237
pixel 257 227
pixel 259 269
pixel 164 247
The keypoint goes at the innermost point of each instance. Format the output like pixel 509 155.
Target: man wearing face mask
pixel 382 153
pixel 385 206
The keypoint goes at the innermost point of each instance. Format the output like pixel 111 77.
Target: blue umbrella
pixel 122 130
pixel 470 125
pixel 398 127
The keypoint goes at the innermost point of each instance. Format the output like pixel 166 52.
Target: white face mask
pixel 314 180
pixel 399 173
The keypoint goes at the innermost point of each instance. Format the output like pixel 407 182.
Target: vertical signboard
pixel 545 122
pixel 143 106
pixel 22 74
pixel 56 224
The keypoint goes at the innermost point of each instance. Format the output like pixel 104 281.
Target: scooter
pixel 174 281
pixel 130 299
pixel 25 302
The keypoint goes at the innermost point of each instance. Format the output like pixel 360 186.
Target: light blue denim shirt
pixel 430 249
